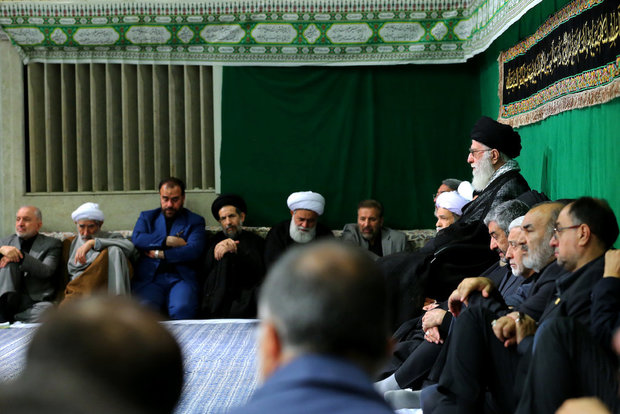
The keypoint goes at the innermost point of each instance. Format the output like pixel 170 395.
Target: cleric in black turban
pixel 495 135
pixel 228 200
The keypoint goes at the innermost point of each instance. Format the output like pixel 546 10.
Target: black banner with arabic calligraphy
pixel 575 50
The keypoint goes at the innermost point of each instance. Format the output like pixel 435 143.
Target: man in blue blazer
pixel 323 332
pixel 170 240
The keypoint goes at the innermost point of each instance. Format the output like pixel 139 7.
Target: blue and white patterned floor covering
pixel 220 362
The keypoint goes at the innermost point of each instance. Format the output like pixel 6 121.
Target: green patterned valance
pixel 258 32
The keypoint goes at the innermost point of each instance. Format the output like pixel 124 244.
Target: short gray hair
pixel 328 298
pixel 504 213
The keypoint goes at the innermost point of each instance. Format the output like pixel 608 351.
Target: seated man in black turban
pixel 234 266
pixel 496 179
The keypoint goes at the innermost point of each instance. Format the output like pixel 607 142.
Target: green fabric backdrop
pixel 568 155
pixel 393 133
pixel 390 133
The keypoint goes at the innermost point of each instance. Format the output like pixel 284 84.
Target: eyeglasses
pixel 558 230
pixel 473 151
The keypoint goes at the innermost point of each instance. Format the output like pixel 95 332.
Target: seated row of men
pixel 475 352
pixel 169 244
pixel 324 331
pixel 169 263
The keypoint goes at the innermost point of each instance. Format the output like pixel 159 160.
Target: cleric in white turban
pixel 88 275
pixel 303 226
pixel 452 201
pixel 306 200
pixel 88 211
pixel 449 208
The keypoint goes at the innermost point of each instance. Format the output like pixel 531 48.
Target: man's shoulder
pixel 316 384
pixel 53 241
pixel 551 272
pixel 251 236
pixel 394 234
pixel 280 227
pixel 151 213
pixel 5 241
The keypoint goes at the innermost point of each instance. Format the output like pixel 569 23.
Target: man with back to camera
pixel 323 332
pixel 100 355
pixel 170 239
pixel 370 234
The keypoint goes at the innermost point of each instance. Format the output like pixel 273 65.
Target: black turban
pixel 228 200
pixel 499 136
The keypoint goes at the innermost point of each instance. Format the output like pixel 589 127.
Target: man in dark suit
pixel 324 330
pixel 28 269
pixel 170 239
pixel 499 350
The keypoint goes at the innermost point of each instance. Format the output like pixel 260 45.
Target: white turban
pixel 306 200
pixel 87 211
pixel 452 201
pixel 516 223
pixel 466 190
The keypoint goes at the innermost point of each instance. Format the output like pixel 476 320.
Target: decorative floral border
pixel 245 32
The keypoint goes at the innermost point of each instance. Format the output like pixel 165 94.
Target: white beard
pixel 301 235
pixel 482 172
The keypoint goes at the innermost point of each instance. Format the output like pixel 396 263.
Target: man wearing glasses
pixel 499 350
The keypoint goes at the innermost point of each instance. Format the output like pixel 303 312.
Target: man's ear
pixel 584 235
pixel 292 213
pixel 270 349
pixel 495 157
pixel 242 216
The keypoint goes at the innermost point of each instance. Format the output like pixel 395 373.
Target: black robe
pixel 459 251
pixel 231 284
pixel 278 240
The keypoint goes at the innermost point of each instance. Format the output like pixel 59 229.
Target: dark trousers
pixel 568 363
pixel 478 362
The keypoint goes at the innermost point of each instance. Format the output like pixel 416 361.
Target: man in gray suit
pixel 28 269
pixel 370 234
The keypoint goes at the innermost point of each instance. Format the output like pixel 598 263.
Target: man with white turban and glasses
pixel 301 228
pixel 98 260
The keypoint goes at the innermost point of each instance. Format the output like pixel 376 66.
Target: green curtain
pixel 393 133
pixel 568 155
pixel 390 133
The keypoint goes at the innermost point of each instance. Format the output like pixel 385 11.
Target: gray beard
pixel 536 259
pixel 300 236
pixel 482 173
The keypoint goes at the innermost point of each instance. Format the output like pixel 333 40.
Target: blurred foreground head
pixel 99 354
pixel 324 298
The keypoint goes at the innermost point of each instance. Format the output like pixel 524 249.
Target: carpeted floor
pixel 220 368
